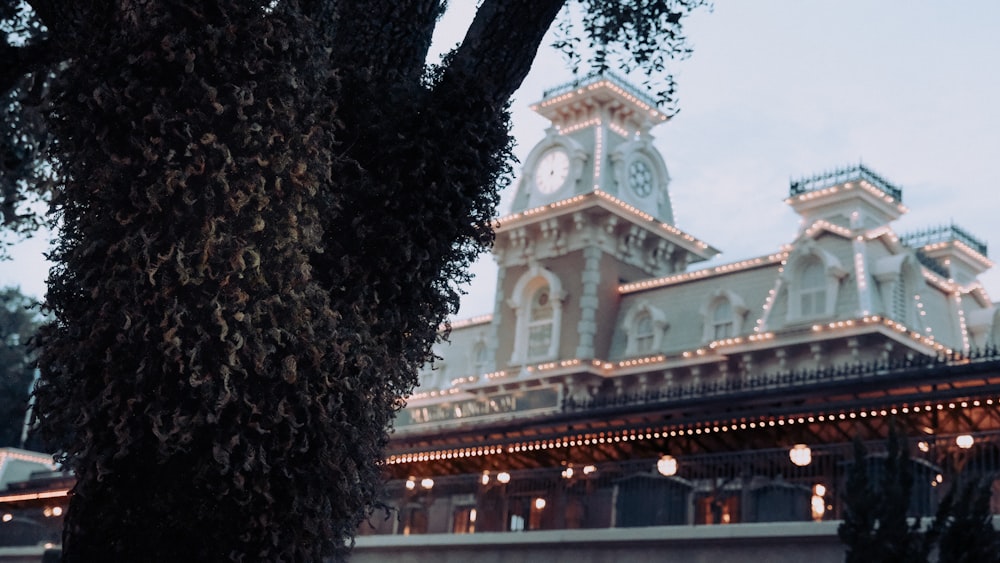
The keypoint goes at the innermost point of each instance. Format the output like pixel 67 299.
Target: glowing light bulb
pixel 800 454
pixel 667 465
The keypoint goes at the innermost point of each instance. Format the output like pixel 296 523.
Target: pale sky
pixel 780 89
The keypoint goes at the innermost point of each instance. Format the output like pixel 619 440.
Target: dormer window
pixel 723 315
pixel 644 333
pixel 813 279
pixel 812 288
pixel 722 320
pixel 644 326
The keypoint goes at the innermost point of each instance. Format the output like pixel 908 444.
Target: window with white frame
pixel 722 319
pixel 644 335
pixel 540 317
pixel 644 327
pixel 537 303
pixel 722 315
pixel 812 288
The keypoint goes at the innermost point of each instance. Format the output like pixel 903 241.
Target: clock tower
pixel 599 140
pixel 591 212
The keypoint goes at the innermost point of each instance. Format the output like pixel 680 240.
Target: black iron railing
pixel 736 387
pixel 944 233
pixel 842 175
pixel 596 76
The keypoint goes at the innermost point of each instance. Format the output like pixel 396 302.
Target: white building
pixel 611 347
pixel 598 289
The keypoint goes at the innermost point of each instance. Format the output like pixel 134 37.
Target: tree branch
pixel 501 44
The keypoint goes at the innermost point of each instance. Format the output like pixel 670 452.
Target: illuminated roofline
pixel 945 233
pixel 596 77
pixel 611 203
pixel 675 279
pixel 465 323
pixel 713 351
pixel 646 108
pixel 34 496
pixel 646 432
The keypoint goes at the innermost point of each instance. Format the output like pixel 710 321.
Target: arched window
pixel 540 323
pixel 644 326
pixel 722 315
pixel 812 279
pixel 722 320
pixel 644 336
pixel 812 288
pixel 537 303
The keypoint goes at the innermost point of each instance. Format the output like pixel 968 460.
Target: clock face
pixel 640 178
pixel 552 170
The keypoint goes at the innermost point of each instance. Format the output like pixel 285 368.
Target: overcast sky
pixel 779 89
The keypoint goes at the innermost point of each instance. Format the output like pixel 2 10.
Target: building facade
pixel 619 383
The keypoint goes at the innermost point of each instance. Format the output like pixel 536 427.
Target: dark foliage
pixel 875 527
pixel 25 180
pixel 265 208
pixel 19 319
pixel 642 34
pixel 964 525
pixel 860 509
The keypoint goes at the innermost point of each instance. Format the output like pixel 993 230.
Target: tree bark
pixel 265 215
pixel 393 49
pixel 501 45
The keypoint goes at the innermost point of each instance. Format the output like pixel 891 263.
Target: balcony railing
pixel 705 489
pixel 944 233
pixel 842 175
pixel 895 367
pixel 595 77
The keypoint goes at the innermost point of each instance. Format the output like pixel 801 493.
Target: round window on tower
pixel 640 178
